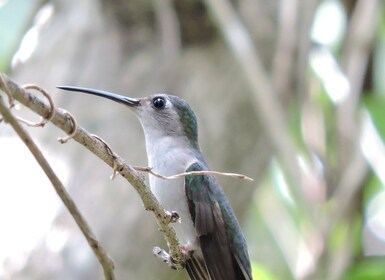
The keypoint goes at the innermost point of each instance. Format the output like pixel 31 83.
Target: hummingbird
pixel 208 232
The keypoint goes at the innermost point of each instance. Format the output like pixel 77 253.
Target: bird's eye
pixel 159 102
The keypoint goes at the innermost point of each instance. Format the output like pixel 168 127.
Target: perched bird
pixel 208 232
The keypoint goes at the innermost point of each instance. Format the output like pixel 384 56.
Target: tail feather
pixel 196 269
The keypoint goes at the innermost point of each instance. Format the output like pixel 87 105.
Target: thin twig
pixel 355 57
pixel 111 153
pixel 305 23
pixel 284 54
pixel 44 120
pixel 63 140
pixel 98 148
pixel 204 172
pixel 106 262
pixel 358 45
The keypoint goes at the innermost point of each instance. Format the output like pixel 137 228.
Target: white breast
pixel 168 158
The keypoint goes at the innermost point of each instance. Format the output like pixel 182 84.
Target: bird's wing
pixel 221 260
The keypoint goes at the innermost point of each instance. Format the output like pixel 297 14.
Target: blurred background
pixel 288 92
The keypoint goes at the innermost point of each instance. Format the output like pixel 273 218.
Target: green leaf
pixel 367 269
pixel 261 273
pixel 375 106
pixel 15 18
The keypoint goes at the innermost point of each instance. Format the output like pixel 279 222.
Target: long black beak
pixel 113 96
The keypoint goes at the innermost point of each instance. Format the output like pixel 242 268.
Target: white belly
pixel 171 194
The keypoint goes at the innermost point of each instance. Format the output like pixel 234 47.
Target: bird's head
pixel 161 115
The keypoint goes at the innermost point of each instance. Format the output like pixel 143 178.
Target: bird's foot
pixel 165 257
pixel 173 217
pixel 162 254
pixel 186 251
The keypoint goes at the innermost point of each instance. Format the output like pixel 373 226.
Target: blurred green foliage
pixel 261 273
pixel 15 18
pixel 370 268
pixel 375 104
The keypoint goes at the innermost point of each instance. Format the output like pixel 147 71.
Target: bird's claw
pixel 164 256
pixel 173 217
pixel 167 258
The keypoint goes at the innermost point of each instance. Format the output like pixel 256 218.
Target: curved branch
pixel 98 148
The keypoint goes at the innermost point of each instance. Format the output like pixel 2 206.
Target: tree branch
pixel 97 147
pixel 106 262
pixel 355 56
pixel 284 54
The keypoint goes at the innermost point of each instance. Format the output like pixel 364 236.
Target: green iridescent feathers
pixel 188 120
